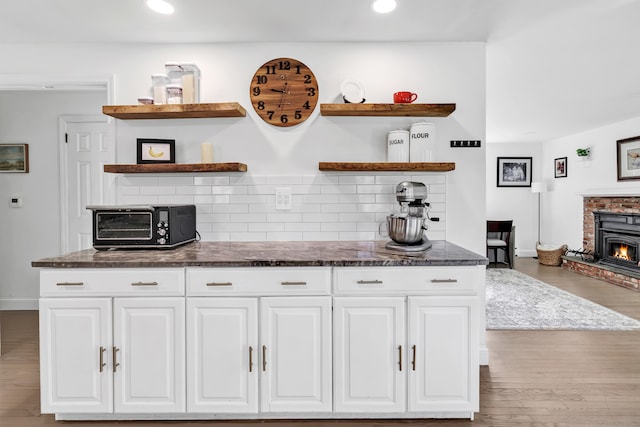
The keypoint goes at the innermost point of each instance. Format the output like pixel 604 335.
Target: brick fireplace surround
pixel 621 204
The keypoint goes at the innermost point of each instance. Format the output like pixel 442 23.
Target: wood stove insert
pixel 617 239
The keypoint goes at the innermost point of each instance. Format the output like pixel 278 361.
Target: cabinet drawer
pixel 405 280
pixel 111 282
pixel 258 281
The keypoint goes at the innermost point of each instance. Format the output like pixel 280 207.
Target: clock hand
pixel 284 92
pixel 278 90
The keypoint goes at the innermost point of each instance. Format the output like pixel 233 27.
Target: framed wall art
pixel 560 167
pixel 14 158
pixel 156 151
pixel 514 171
pixel 628 158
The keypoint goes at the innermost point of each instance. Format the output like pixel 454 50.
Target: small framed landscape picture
pixel 514 171
pixel 14 158
pixel 629 158
pixel 560 167
pixel 156 151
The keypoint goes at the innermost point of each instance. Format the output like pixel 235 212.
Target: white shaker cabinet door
pixel 443 359
pixel 295 335
pixel 222 355
pixel 149 355
pixel 75 345
pixel 370 358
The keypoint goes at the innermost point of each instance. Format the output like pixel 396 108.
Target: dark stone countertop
pixel 268 254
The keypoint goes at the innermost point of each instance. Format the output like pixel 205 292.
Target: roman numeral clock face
pixel 284 92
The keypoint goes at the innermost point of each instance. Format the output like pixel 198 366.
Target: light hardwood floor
pixel 535 378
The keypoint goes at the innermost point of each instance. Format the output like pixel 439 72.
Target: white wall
pixel 438 72
pixel 33 231
pixel 562 217
pixel 516 203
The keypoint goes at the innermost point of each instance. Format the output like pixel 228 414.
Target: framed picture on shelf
pixel 514 171
pixel 560 167
pixel 156 151
pixel 14 158
pixel 628 158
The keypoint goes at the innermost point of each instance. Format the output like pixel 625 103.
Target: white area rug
pixel 517 301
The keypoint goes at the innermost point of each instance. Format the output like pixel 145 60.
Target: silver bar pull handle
pixel 292 283
pixel 144 284
pixel 102 362
pixel 219 284
pixel 70 284
pixel 264 358
pixel 369 282
pixel 444 281
pixel 114 357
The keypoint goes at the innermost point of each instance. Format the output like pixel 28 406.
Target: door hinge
pixel 66 138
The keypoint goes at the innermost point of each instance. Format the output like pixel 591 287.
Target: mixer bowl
pixel 405 229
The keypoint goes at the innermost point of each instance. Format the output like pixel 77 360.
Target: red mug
pixel 404 97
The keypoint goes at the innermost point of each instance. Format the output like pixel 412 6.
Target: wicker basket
pixel 551 256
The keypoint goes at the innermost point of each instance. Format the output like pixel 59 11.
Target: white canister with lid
pixel 398 146
pixel 159 84
pixel 174 94
pixel 190 83
pixel 422 142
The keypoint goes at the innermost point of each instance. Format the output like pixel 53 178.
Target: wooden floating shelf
pixel 398 167
pixel 391 110
pixel 174 111
pixel 176 168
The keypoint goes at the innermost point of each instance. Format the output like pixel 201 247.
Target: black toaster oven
pixel 143 226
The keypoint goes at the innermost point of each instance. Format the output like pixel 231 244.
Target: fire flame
pixel 622 253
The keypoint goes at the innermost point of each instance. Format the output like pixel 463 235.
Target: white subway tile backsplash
pixel 339 226
pixel 326 206
pixel 261 226
pixel 248 237
pixel 340 207
pixel 211 180
pixel 175 199
pixel 350 179
pixel 175 180
pixel 192 189
pixel 284 180
pixel 160 189
pixel 302 226
pixel 284 236
pixel 327 236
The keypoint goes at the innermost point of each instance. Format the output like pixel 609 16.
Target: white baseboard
pixel 527 253
pixel 18 304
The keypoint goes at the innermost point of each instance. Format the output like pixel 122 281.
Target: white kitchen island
pixel 262 330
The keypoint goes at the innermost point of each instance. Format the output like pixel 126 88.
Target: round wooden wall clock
pixel 284 92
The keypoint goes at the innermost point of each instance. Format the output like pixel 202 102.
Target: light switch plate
pixel 283 198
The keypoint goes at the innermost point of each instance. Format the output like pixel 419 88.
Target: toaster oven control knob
pixel 162 241
pixel 162 231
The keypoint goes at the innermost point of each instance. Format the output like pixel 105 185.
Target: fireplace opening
pixel 617 239
pixel 623 252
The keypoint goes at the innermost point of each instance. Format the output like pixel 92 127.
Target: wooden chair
pixel 499 238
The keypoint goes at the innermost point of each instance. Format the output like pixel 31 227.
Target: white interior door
pixel 88 143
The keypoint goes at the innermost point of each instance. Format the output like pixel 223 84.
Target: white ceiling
pixel 554 67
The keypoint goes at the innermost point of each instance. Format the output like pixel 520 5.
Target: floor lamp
pixel 538 187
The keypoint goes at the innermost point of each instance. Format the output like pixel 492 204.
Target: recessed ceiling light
pixel 383 6
pixel 160 6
